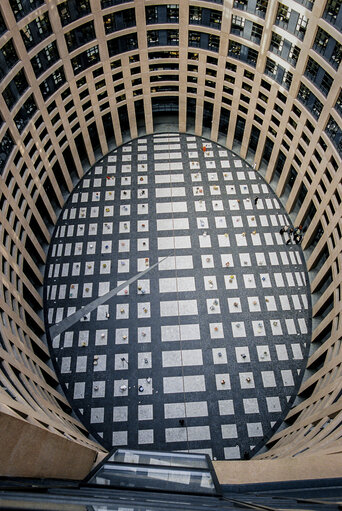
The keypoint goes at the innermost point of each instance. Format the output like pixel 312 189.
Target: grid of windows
pixel 174 54
pixel 283 15
pixel 282 47
pixel 278 73
pixel 277 43
pixel 309 100
pixel 114 20
pixel 119 20
pixel 205 17
pixel 6 147
pixel 242 52
pixel 158 78
pixel 15 89
pixel 71 10
pixel 36 31
pixel 122 44
pixel 328 47
pixel 334 132
pixel 162 38
pixel 22 7
pixel 307 3
pixel 294 54
pixel 333 12
pixel 8 58
pixel 256 33
pixel 203 40
pixel 162 14
pixel 3 27
pixel 259 7
pixel 80 36
pixel 338 104
pixel 197 15
pixel 291 20
pixel 237 25
pixel 110 3
pixel 85 59
pixel 246 29
pixel 25 113
pixel 45 58
pixel 52 83
pixel 318 76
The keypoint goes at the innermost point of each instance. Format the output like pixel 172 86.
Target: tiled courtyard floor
pixel 204 352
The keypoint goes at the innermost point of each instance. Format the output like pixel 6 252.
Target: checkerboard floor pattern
pixel 205 353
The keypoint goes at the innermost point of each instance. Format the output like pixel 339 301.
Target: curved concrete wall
pixel 80 77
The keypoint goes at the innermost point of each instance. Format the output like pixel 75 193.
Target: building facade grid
pixel 82 77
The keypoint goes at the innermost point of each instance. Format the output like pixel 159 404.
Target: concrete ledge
pixel 279 470
pixel 26 450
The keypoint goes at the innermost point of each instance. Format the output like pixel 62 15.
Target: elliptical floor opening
pixel 206 352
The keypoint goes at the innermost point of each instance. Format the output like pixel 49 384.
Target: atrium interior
pixel 169 149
